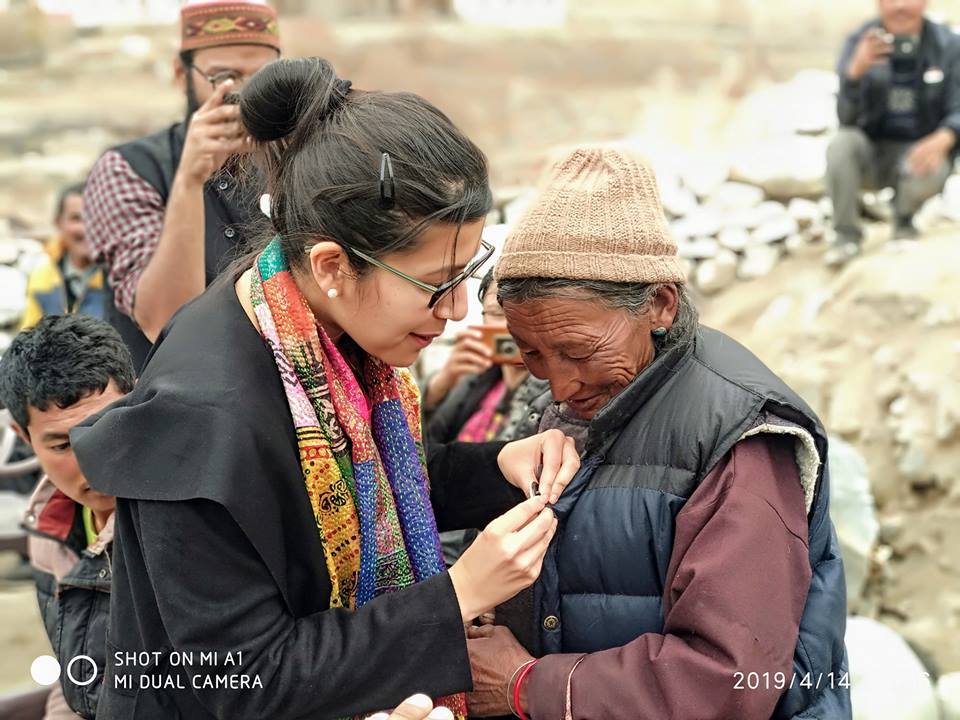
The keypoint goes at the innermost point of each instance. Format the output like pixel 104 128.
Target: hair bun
pixel 281 94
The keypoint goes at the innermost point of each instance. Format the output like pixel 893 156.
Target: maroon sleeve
pixel 123 217
pixel 736 587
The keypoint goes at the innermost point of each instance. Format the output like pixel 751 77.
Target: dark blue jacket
pixel 863 103
pixel 646 454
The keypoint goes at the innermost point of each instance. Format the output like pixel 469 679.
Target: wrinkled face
pixel 49 436
pixel 70 229
pixel 588 351
pixel 903 17
pixel 387 315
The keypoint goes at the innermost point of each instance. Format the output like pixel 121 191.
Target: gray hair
pixel 634 298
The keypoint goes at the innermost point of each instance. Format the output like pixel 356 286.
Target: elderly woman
pixel 695 573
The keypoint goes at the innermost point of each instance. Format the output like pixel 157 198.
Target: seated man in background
pixel 899 110
pixel 70 282
pixel 53 376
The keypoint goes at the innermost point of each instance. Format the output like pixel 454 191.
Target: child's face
pixel 70 228
pixel 49 436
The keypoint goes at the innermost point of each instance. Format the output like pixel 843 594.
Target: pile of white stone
pixel 737 211
pixel 733 231
pixel 888 682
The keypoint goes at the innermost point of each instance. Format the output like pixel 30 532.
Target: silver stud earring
pixel 333 293
pixel 660 332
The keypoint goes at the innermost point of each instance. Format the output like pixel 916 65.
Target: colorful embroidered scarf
pixel 487 421
pixel 363 462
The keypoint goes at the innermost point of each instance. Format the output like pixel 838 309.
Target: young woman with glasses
pixel 273 494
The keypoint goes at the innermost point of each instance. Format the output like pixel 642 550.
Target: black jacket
pixel 228 206
pixel 218 550
pixel 444 423
pixel 863 103
pixel 73 591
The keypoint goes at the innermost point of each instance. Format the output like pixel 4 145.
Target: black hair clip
pixel 387 186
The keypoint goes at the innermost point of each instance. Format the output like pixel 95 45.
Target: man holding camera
pixel 899 110
pixel 164 213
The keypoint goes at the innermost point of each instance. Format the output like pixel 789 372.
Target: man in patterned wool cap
pixel 164 213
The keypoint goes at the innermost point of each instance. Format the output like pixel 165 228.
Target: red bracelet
pixel 516 690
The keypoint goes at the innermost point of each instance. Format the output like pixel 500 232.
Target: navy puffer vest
pixel 647 451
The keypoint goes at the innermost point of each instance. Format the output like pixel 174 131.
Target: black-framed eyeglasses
pixel 220 77
pixel 437 292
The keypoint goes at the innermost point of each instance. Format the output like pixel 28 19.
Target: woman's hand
pixel 418 707
pixel 504 559
pixel 549 458
pixel 495 656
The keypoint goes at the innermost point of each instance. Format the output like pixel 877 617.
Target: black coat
pixel 443 423
pixel 217 548
pixel 73 592
pixel 228 206
pixel 863 103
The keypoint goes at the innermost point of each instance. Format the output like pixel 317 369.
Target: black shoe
pixel 903 229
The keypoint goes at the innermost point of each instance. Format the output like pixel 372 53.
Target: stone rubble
pixel 948 693
pixel 770 190
pixel 887 679
pixel 853 514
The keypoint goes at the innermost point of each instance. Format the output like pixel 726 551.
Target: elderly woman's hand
pixel 418 707
pixel 549 458
pixel 495 656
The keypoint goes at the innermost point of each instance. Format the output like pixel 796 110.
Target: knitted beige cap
pixel 597 217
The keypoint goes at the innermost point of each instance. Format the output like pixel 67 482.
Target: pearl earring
pixel 333 293
pixel 660 332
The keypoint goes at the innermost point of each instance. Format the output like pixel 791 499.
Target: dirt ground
pixel 22 637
